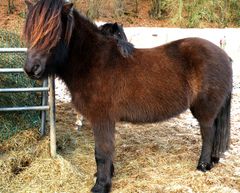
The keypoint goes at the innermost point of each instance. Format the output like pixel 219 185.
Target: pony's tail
pixel 222 130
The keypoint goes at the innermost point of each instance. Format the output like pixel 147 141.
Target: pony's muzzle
pixel 34 71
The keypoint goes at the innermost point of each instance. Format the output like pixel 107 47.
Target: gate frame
pixel 48 85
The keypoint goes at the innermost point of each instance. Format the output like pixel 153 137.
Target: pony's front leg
pixel 104 151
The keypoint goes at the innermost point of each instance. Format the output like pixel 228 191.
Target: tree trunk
pixel 136 6
pixel 180 8
pixel 93 9
pixel 11 6
pixel 225 11
pixel 119 10
pixel 156 9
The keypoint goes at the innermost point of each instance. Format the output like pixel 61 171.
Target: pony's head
pixel 47 32
pixel 113 29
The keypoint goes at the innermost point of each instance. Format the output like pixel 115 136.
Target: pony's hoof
pixel 202 166
pixel 98 188
pixel 215 159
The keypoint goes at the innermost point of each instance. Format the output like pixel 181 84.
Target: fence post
pixel 52 110
pixel 44 114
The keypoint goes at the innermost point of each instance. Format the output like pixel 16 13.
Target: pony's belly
pixel 149 117
pixel 140 120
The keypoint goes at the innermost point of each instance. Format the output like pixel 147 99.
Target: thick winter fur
pixel 148 86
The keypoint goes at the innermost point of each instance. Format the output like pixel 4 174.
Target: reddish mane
pixel 43 26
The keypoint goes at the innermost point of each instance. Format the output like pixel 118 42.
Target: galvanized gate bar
pixel 36 108
pixel 12 70
pixel 13 50
pixel 44 113
pixel 44 107
pixel 35 89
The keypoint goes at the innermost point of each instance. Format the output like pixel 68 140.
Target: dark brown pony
pixel 148 86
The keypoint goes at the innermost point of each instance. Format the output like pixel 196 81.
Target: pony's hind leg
pixel 104 150
pixel 214 121
pixel 205 161
pixel 206 122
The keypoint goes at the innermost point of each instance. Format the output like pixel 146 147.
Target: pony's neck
pixel 84 30
pixel 82 47
pixel 82 20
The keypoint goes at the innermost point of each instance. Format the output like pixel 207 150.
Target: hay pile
pixel 25 166
pixel 149 158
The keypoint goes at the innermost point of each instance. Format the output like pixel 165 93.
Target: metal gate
pixel 48 100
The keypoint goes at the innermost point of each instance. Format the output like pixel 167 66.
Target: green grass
pixel 13 122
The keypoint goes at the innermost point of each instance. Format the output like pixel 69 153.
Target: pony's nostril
pixel 36 69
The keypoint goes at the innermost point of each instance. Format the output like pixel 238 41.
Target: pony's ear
pixel 67 7
pixel 29 4
pixel 115 26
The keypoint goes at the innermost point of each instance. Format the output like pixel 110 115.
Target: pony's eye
pixel 49 51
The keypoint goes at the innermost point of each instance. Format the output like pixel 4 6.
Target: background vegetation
pixel 162 13
pixel 184 13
